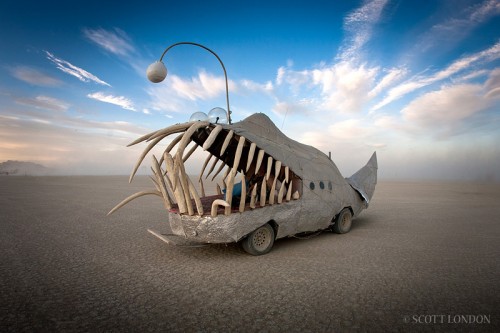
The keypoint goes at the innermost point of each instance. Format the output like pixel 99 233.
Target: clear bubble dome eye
pixel 217 116
pixel 199 116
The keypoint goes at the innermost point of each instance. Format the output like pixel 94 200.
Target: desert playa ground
pixel 424 256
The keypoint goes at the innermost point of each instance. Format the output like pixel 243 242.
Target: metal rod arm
pixel 220 61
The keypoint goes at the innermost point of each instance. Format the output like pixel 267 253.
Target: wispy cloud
pixel 44 102
pixel 459 26
pixel 121 101
pixel 457 66
pixel 115 41
pixel 359 27
pixel 75 71
pixel 34 76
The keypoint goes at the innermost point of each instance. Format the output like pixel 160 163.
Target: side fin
pixel 365 179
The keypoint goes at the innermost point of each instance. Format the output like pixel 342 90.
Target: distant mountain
pixel 20 168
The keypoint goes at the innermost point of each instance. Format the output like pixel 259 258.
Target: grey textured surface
pixel 421 249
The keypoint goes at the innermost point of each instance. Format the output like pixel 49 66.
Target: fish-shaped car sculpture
pixel 271 187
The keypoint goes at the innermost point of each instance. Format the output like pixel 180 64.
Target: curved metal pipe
pixel 220 61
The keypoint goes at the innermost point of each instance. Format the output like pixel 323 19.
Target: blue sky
pixel 417 81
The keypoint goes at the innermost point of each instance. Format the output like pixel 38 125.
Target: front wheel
pixel 260 241
pixel 343 222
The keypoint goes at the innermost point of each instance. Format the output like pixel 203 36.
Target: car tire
pixel 259 241
pixel 343 222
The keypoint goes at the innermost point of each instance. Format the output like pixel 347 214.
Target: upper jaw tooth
pixel 211 138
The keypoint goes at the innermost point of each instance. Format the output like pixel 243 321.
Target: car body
pixel 275 187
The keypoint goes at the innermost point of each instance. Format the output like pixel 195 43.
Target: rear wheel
pixel 260 241
pixel 343 222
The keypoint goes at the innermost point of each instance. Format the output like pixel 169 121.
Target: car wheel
pixel 260 241
pixel 343 222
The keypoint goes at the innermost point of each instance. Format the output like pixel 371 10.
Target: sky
pixel 416 81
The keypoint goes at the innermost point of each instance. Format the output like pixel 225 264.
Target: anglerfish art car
pixel 275 187
pixel 272 186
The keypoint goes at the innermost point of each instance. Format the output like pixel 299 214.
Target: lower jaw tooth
pixel 178 194
pixel 280 193
pixel 161 183
pixel 202 188
pixel 216 204
pixel 185 187
pixel 271 194
pixel 229 191
pixel 243 193
pixel 263 193
pixel 196 197
pixel 253 196
pixel 289 192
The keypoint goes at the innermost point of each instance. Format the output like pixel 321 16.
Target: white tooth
pixel 216 204
pixel 296 195
pixel 142 138
pixel 186 138
pixel 237 155
pixel 277 169
pixel 177 166
pixel 263 193
pixel 226 142
pixel 163 188
pixel 169 186
pixel 229 192
pixel 204 166
pixel 211 138
pixel 243 193
pixel 190 152
pixel 289 192
pixel 170 146
pixel 202 188
pixel 196 197
pixel 251 152
pixel 171 130
pixel 271 194
pixel 212 167
pixel 179 196
pixel 260 156
pixel 224 176
pixel 253 196
pixel 185 187
pixel 132 197
pixel 281 192
pixel 222 165
pixel 141 158
pixel 219 191
pixel 155 183
pixel 175 141
pixel 269 166
pixel 286 174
